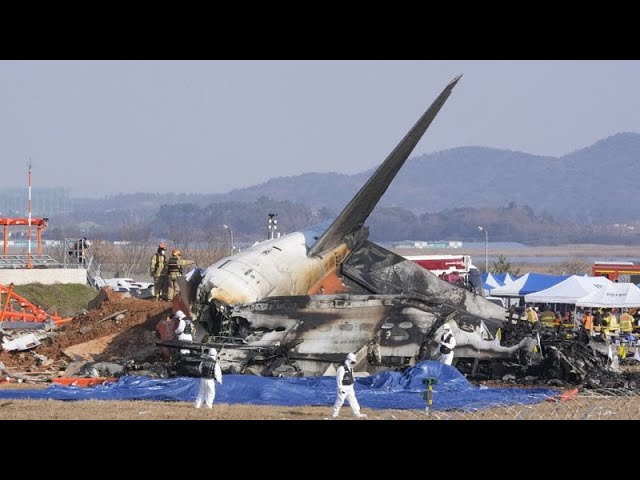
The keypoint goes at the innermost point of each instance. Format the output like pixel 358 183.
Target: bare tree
pixel 212 248
pixel 572 266
pixel 105 255
pixel 502 265
pixel 135 234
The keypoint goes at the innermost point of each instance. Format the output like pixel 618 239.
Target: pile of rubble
pixel 117 335
pixel 563 357
pixel 117 327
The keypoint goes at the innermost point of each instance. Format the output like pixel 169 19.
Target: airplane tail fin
pixel 354 215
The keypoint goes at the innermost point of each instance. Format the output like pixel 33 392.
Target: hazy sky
pixel 103 127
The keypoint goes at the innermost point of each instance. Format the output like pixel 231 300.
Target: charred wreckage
pixel 296 305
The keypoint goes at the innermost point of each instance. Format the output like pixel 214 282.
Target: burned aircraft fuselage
pixel 311 297
pixel 276 267
pixel 319 330
pixel 387 298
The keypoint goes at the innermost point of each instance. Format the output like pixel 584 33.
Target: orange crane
pixel 41 223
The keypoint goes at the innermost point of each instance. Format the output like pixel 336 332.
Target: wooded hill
pixel 579 197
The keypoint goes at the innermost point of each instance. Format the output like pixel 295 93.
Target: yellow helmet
pixel 176 252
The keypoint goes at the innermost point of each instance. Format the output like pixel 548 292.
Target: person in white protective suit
pixel 345 381
pixel 184 329
pixel 210 373
pixel 447 344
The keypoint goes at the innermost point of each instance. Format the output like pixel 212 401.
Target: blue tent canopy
pixel 505 278
pixel 489 281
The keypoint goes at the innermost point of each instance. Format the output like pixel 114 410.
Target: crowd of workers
pixel 596 321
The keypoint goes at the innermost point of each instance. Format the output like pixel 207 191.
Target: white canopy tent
pixel 569 290
pixel 528 283
pixel 613 295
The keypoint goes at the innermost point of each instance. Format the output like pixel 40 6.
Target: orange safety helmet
pixel 176 252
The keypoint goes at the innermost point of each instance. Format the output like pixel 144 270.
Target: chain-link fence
pixel 606 404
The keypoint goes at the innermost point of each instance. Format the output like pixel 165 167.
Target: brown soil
pixel 93 338
pixel 89 350
pixel 583 408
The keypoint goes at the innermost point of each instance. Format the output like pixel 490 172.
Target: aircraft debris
pixel 24 342
pixel 301 302
pixel 113 315
pixel 567 357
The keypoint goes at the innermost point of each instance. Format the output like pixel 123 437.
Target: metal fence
pixel 606 404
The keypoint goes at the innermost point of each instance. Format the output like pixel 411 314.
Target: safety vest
pixel 347 378
pixel 158 264
pixel 548 318
pixel 173 266
pixel 626 323
pixel 588 321
pixel 443 348
pixel 208 369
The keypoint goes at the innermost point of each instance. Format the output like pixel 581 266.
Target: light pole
pixel 486 248
pixel 227 227
pixel 272 226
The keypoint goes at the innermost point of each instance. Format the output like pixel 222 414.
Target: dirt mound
pixel 132 336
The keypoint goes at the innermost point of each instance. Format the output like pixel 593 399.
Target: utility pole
pixel 486 248
pixel 227 227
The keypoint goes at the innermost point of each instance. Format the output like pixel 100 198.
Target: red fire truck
pixel 448 267
pixel 617 271
pixel 455 269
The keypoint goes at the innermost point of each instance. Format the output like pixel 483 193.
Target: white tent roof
pixel 508 279
pixel 569 290
pixel 613 295
pixel 528 283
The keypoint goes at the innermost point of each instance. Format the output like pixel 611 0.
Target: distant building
pixel 429 244
pixel 45 201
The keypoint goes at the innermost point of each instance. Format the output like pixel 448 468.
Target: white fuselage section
pixel 271 268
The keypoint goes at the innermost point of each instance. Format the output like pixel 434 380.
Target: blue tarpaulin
pixel 384 390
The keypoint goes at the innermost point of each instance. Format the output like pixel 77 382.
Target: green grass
pixel 67 299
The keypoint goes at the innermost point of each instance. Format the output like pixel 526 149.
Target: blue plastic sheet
pixel 385 390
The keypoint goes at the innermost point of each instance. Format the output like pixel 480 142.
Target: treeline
pixel 190 223
pixel 593 185
pixel 512 223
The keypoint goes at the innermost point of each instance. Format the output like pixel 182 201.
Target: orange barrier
pixel 83 382
pixel 28 312
pixel 565 396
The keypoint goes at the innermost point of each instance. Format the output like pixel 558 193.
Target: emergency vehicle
pixel 617 271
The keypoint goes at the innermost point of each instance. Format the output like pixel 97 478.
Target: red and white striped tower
pixel 29 228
